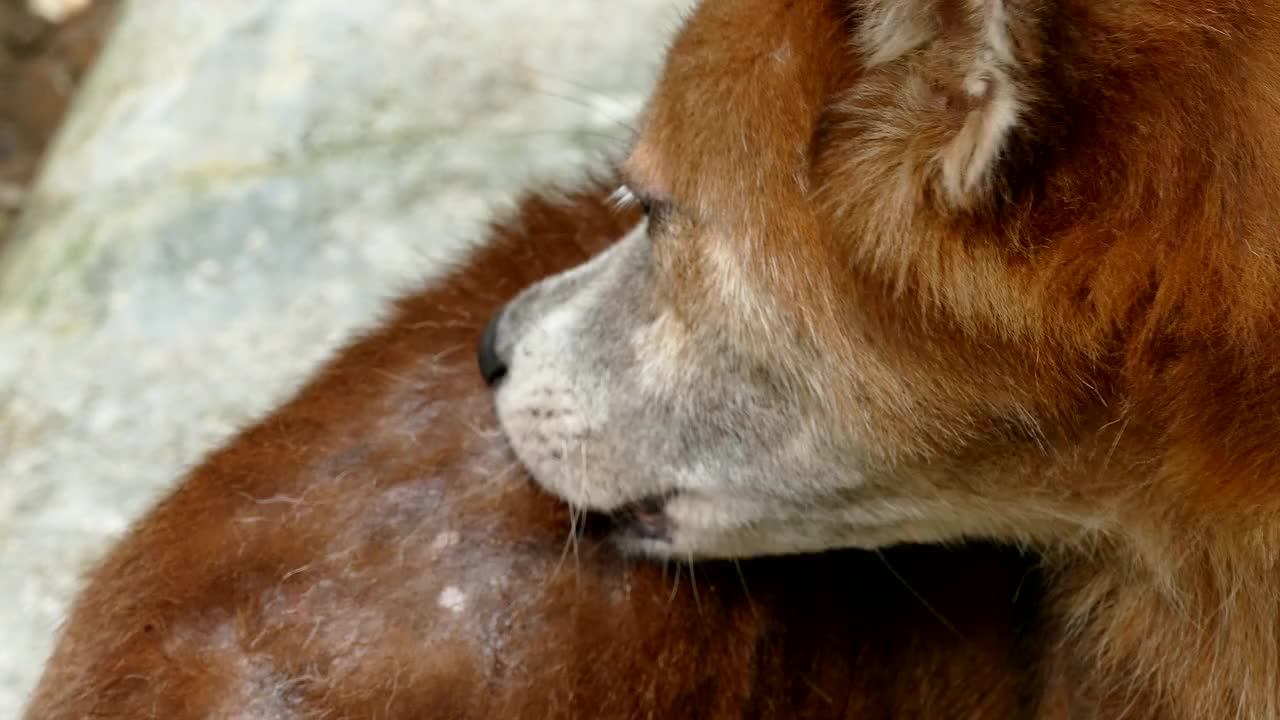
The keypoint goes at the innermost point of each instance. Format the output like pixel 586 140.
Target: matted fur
pixel 929 270
pixel 371 550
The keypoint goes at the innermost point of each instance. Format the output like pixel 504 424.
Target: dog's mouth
pixel 640 520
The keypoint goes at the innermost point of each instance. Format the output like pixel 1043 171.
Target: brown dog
pixel 935 270
pixel 372 550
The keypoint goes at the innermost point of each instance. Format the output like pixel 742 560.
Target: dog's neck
pixel 1197 638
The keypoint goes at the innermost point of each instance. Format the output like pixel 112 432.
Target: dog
pixel 931 271
pixel 372 549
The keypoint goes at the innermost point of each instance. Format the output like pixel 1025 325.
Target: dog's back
pixel 371 550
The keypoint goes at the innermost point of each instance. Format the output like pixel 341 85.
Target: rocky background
pixel 240 185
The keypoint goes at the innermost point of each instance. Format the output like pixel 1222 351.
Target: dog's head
pixel 912 270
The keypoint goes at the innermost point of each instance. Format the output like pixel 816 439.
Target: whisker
pixel 616 115
pixel 932 610
pixel 568 542
pixel 746 591
pixel 693 582
pixel 582 481
pixel 495 480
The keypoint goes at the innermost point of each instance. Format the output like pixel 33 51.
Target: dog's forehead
pixel 739 101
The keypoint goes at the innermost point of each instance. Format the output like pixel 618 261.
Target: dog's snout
pixel 492 367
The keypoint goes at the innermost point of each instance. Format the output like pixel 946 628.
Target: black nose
pixel 492 367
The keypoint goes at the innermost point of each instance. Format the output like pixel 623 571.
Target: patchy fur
pixel 372 550
pixel 930 270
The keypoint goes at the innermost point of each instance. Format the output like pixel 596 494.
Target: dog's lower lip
pixel 645 518
pixel 652 504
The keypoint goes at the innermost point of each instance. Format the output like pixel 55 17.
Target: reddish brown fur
pixel 297 572
pixel 1103 320
pixel 1078 354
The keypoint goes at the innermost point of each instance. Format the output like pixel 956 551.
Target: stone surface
pixel 242 184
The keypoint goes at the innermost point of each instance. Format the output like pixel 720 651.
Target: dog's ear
pixel 970 51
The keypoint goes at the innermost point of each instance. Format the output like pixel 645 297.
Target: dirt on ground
pixel 41 64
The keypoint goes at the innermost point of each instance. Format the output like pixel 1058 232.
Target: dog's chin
pixel 697 524
pixel 642 527
pixel 649 528
pixel 689 526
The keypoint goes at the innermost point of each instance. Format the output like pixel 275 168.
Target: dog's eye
pixel 646 205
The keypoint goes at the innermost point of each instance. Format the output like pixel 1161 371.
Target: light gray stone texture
pixel 242 184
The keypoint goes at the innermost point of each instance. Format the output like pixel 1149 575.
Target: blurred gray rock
pixel 243 184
